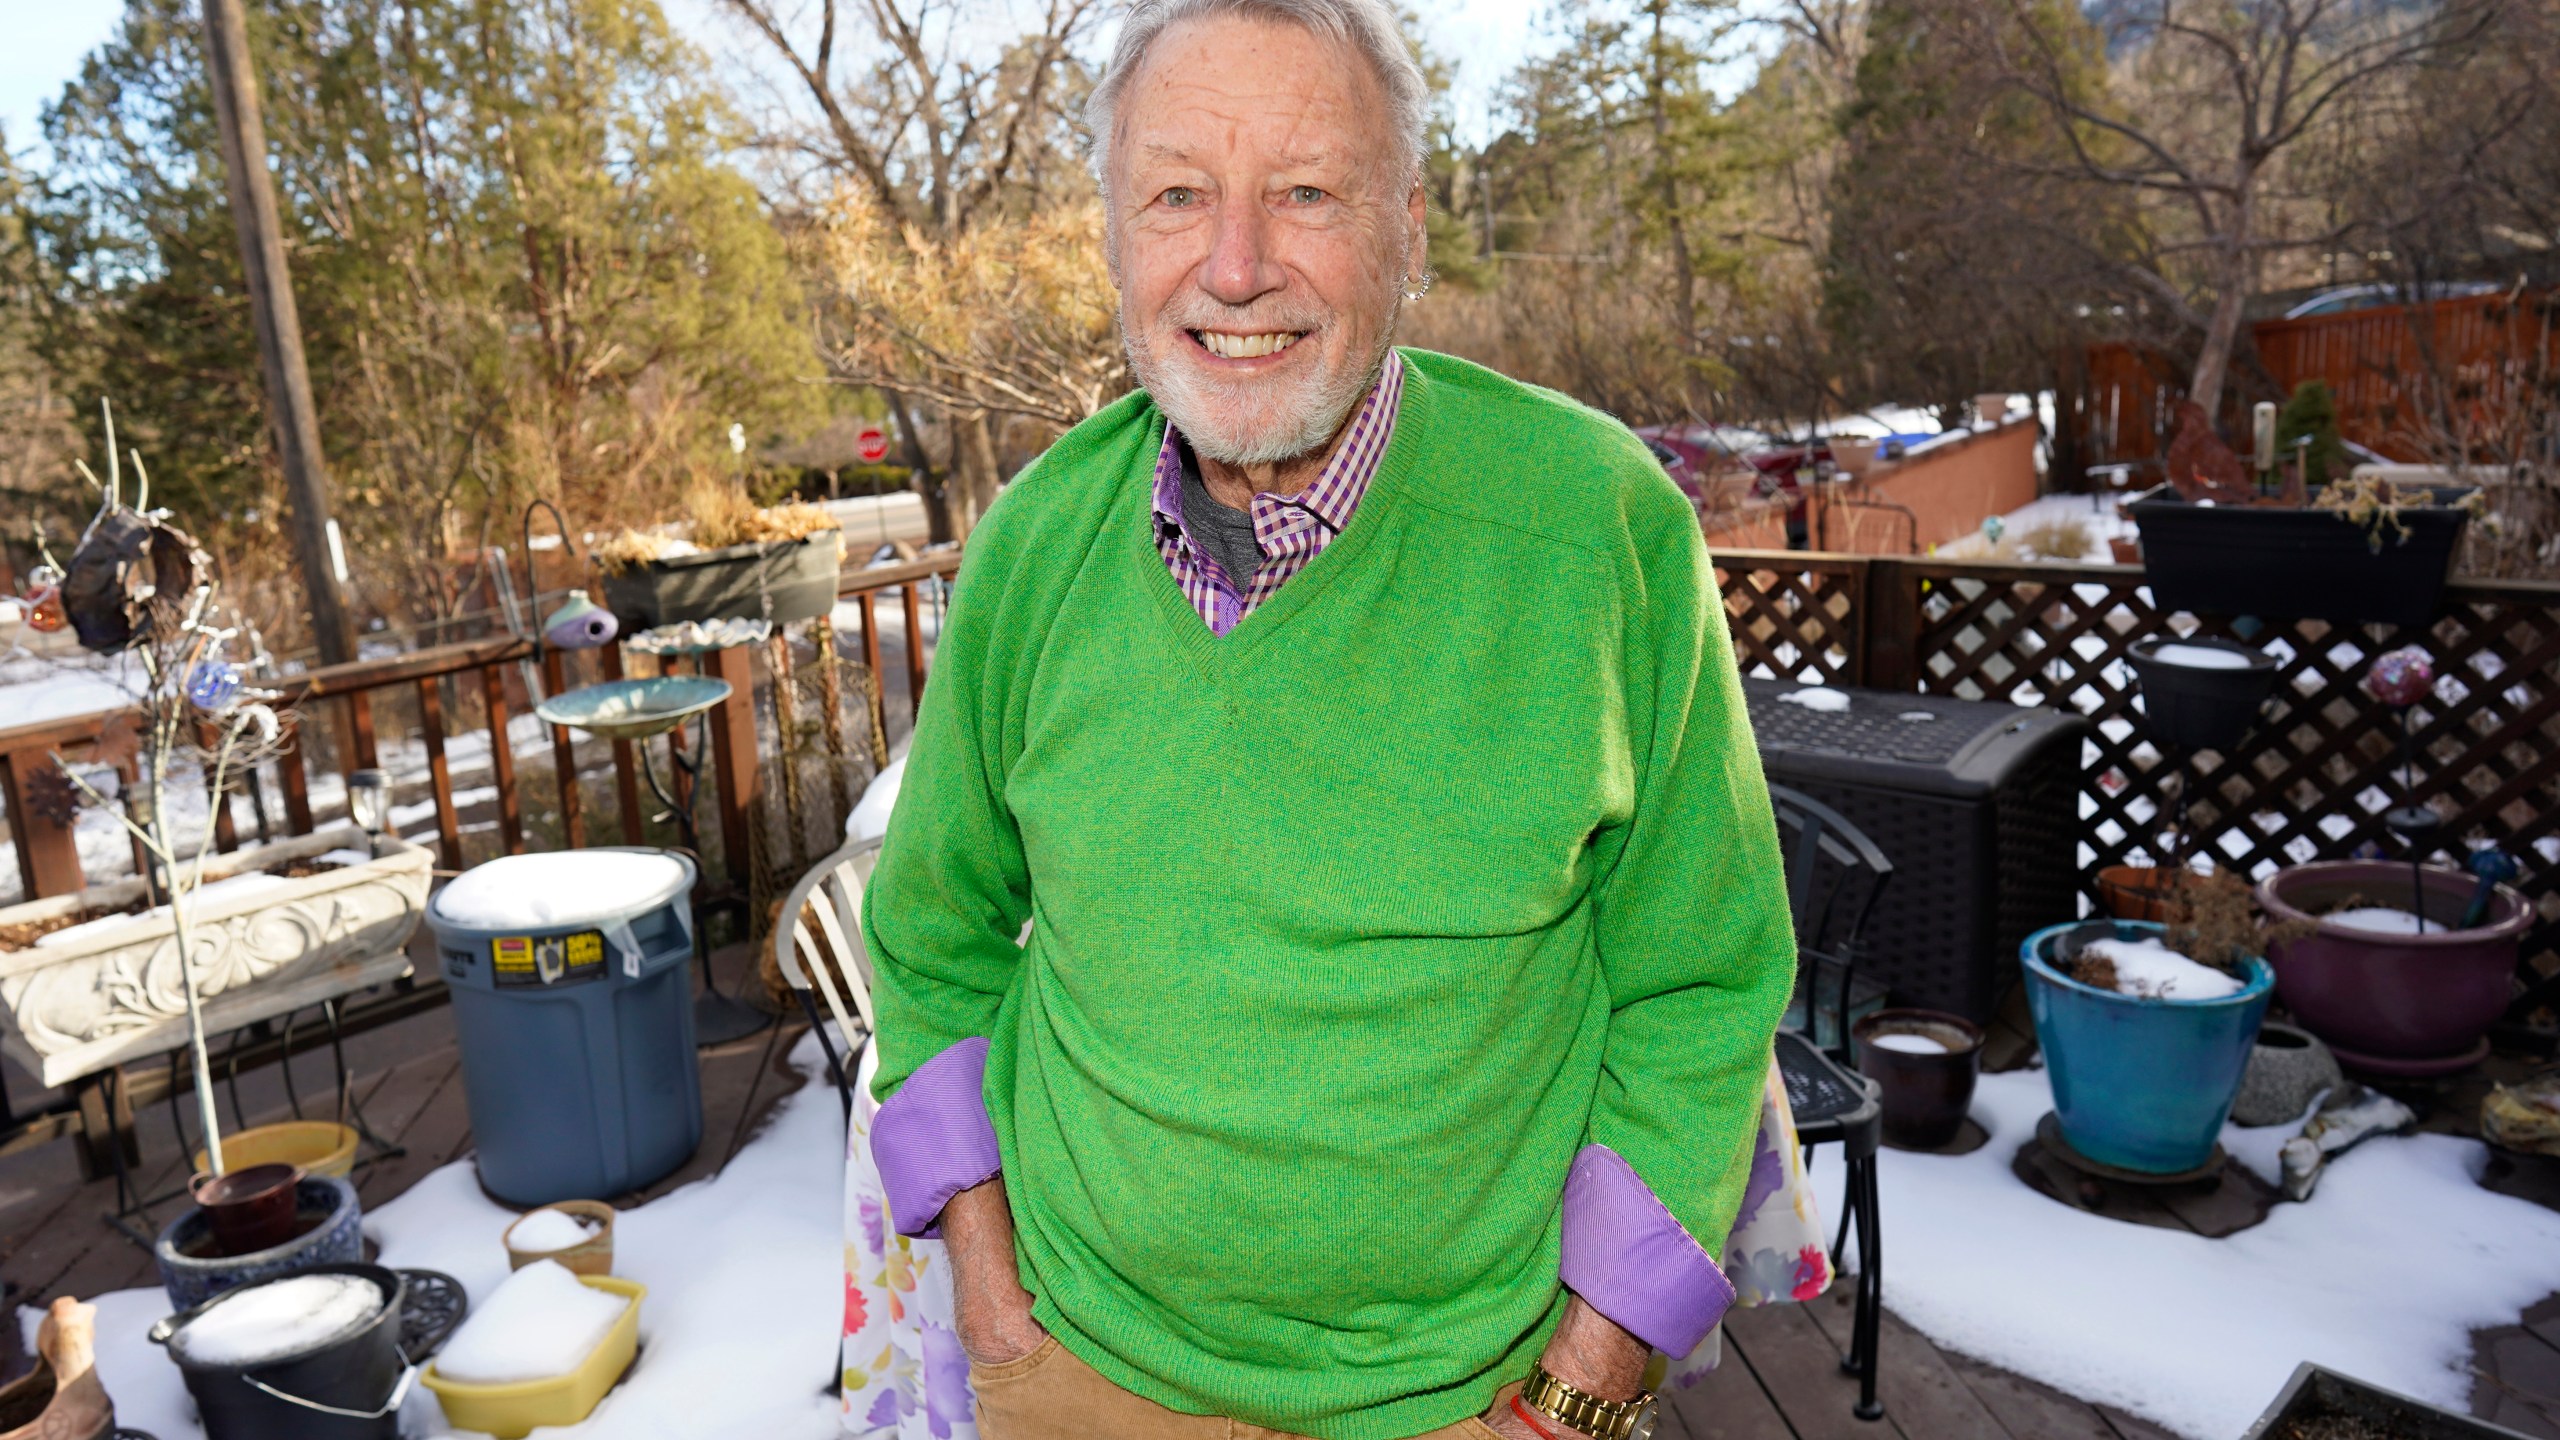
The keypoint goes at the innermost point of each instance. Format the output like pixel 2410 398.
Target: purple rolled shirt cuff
pixel 933 1140
pixel 1629 1259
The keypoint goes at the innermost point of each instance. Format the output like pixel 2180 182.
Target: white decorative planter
pixel 115 994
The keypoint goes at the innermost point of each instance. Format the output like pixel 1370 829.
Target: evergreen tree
pixel 524 265
pixel 2311 414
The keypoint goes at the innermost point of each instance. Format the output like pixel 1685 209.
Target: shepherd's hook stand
pixel 718 1018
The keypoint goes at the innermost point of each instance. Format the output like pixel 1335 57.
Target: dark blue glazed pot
pixel 2140 1084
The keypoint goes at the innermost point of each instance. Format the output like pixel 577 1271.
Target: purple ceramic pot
pixel 2394 1004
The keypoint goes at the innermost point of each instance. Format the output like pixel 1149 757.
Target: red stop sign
pixel 872 444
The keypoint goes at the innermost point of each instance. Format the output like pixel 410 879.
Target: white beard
pixel 1256 422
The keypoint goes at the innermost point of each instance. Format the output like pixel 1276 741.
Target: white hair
pixel 1367 26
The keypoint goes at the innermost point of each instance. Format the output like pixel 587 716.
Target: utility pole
pixel 279 327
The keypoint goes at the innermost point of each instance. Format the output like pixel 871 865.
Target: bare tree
pixel 2212 99
pixel 939 139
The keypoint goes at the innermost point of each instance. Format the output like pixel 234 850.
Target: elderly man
pixel 1329 939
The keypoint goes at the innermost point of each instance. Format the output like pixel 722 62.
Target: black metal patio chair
pixel 1835 875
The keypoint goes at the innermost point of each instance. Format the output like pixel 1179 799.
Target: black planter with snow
pixel 2294 563
pixel 2200 693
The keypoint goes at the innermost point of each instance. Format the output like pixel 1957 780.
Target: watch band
pixel 1580 1410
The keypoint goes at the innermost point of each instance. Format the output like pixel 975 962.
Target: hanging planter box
pixel 733 583
pixel 2282 563
pixel 114 992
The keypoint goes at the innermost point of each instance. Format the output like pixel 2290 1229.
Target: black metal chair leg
pixel 826 1043
pixel 1869 1323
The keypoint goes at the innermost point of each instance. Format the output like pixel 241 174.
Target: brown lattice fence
pixel 2311 782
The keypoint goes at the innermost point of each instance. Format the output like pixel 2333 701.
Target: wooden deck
pixel 1780 1381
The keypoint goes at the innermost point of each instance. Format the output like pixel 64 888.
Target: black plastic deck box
pixel 1976 804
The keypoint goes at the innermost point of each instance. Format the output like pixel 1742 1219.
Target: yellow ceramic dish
pixel 515 1410
pixel 320 1147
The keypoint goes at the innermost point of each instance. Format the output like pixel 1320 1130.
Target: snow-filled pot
pixel 573 1006
pixel 517 1408
pixel 2200 693
pixel 2393 1003
pixel 2139 1083
pixel 329 1222
pixel 591 1253
pixel 267 1363
pixel 96 994
pixel 1925 1062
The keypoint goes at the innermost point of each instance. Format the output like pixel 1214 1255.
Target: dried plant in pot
pixel 738 563
pixel 2144 1072
pixel 2363 551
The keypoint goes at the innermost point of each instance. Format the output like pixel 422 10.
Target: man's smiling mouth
pixel 1228 346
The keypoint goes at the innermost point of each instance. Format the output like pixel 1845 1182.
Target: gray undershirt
pixel 1217 528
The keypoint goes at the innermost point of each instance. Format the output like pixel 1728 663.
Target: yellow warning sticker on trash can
pixel 546 959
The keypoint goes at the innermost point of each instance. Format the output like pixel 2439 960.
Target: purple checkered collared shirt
pixel 1291 529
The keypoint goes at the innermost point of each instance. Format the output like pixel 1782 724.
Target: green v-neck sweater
pixel 1349 929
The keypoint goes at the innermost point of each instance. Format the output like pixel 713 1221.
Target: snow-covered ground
pixel 740 1329
pixel 2095 513
pixel 2382 1274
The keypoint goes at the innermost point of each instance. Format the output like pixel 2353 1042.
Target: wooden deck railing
pixel 342 710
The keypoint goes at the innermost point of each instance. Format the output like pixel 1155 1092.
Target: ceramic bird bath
pixel 634 709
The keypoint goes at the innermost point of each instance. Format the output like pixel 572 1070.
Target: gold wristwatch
pixel 1585 1413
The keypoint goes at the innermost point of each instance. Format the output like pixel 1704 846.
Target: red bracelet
pixel 1529 1418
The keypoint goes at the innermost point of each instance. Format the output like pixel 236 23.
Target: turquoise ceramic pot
pixel 2140 1084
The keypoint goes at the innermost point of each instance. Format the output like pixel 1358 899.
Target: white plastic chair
pixel 904 1376
pixel 830 896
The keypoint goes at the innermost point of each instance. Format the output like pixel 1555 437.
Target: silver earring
pixel 1415 289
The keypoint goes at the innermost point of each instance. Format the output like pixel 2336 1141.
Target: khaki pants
pixel 1049 1394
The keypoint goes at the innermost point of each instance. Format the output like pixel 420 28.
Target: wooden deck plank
pixel 1728 1404
pixel 1922 1393
pixel 2518 1381
pixel 1801 1371
pixel 2543 1319
pixel 440 1131
pixel 2027 1409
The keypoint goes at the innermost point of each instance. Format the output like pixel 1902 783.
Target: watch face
pixel 1644 1422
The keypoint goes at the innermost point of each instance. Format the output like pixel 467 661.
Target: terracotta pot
pixel 2127 551
pixel 251 1209
pixel 2135 892
pixel 2394 1004
pixel 1926 1094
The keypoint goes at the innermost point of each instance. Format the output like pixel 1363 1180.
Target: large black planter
pixel 2193 707
pixel 2316 1393
pixel 2295 564
pixel 799 576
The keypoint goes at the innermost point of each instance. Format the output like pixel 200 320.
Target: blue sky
pixel 1483 40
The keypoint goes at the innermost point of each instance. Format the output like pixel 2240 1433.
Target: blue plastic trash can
pixel 573 1000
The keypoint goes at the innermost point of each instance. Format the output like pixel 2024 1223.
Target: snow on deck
pixel 739 1332
pixel 2383 1274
